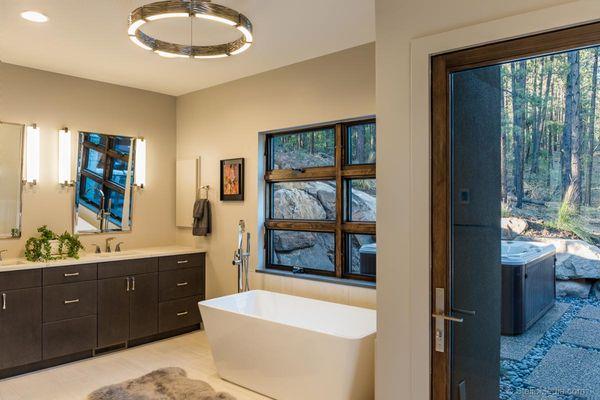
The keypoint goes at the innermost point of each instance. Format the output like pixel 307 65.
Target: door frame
pixel 442 66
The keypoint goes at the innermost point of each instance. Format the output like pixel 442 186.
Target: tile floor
pixel 74 381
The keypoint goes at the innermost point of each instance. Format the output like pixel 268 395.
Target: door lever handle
pixel 464 312
pixel 448 318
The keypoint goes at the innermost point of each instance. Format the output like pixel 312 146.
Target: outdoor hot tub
pixel 528 284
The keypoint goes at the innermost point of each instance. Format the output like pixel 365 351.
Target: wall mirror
pixel 11 173
pixel 103 189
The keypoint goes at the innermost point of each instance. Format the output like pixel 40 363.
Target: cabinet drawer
pixel 20 279
pixel 69 301
pixel 181 261
pixel 69 337
pixel 181 283
pixel 115 269
pixel 70 274
pixel 177 314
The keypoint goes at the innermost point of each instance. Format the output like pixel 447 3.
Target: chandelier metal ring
pixel 189 9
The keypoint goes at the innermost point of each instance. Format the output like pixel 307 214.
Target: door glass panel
pixel 476 117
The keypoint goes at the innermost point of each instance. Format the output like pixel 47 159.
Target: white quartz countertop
pixel 90 258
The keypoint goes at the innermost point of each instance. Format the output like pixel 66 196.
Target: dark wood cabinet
pixel 70 274
pixel 176 314
pixel 127 308
pixel 58 314
pixel 20 327
pixel 113 311
pixel 143 306
pixel 181 283
pixel 181 287
pixel 72 300
pixel 69 337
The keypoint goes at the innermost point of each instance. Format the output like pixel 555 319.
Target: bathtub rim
pixel 207 304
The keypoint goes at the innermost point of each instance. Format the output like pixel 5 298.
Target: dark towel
pixel 202 218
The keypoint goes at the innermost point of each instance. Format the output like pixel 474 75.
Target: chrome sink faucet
pixel 107 247
pixel 2 251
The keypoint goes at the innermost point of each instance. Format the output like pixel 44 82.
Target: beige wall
pixel 54 101
pixel 223 122
pixel 403 154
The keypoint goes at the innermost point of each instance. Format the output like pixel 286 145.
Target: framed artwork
pixel 232 179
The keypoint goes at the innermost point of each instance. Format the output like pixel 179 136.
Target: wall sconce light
pixel 140 162
pixel 32 155
pixel 64 158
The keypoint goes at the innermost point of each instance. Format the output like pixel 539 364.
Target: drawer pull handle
pixel 71 301
pixel 71 274
pixel 182 284
pixel 4 301
pixel 182 262
pixel 181 314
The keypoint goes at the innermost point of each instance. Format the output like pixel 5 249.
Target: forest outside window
pixel 321 200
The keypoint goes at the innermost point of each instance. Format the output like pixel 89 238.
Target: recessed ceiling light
pixel 34 16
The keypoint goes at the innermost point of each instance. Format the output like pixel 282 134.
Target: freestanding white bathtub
pixel 292 348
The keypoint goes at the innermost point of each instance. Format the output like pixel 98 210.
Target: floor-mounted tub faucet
pixel 241 258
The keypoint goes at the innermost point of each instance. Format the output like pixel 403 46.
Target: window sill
pixel 320 278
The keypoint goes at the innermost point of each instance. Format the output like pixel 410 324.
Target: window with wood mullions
pixel 321 200
pixel 104 170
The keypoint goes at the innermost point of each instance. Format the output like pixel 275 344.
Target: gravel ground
pixel 519 380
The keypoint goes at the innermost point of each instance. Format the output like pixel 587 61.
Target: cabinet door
pixel 144 306
pixel 113 311
pixel 20 327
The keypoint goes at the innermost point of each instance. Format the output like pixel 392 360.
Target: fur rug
pixel 162 384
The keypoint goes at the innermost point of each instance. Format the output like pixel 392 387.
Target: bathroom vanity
pixel 68 310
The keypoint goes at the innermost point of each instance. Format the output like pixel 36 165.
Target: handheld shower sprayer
pixel 241 258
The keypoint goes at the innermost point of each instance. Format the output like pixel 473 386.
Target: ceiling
pixel 88 38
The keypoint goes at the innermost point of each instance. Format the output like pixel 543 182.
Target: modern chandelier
pixel 203 9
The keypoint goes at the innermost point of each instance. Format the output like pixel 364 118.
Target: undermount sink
pixel 12 262
pixel 117 254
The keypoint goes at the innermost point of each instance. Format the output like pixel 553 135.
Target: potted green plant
pixel 50 246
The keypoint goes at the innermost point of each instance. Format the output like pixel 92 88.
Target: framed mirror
pixel 11 179
pixel 104 183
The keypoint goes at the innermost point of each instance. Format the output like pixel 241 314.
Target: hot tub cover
pixel 522 253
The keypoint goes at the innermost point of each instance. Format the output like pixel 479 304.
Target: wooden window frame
pixel 109 154
pixel 341 172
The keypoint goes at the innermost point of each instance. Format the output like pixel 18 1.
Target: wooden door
pixel 20 327
pixel 143 320
pixel 456 234
pixel 113 311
